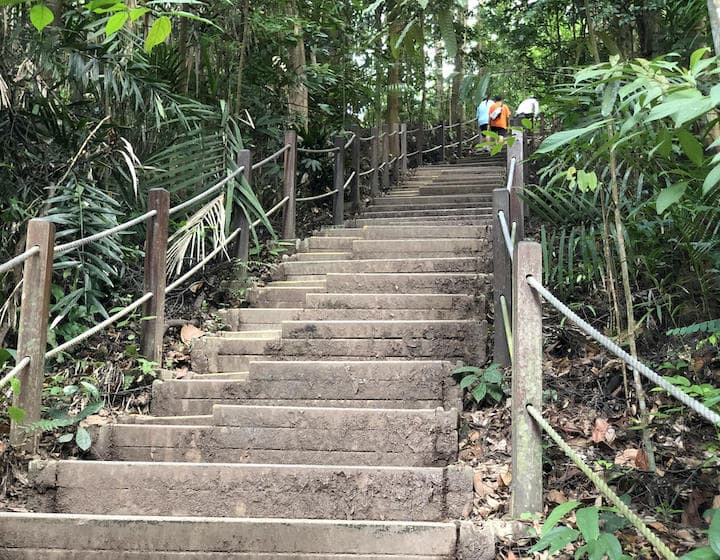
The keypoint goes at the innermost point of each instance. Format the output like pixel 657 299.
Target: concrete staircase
pixel 323 425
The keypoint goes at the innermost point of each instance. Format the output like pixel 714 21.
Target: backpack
pixel 496 113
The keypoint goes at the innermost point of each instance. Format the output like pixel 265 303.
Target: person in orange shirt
pixel 499 118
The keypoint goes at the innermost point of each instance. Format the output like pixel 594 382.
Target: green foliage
pixel 483 384
pixel 711 552
pixel 704 326
pixel 706 393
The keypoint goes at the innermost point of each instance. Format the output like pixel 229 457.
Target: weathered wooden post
pixel 460 139
pixel 32 331
pixel 290 167
pixel 396 161
pixel 527 495
pixel 420 144
pixel 386 158
pixel 518 208
pixel 240 221
pixel 374 161
pixel 502 270
pixel 517 212
pixel 403 149
pixel 443 155
pixel 339 200
pixel 355 167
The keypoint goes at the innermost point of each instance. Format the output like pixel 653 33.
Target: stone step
pixel 377 210
pixel 457 190
pixel 253 491
pixel 322 256
pixel 336 243
pixel 425 202
pixel 418 265
pixel 343 384
pixel 438 213
pixel 340 231
pixel 428 248
pixel 405 330
pixel 425 232
pixel 281 296
pixel 396 301
pixel 293 435
pixel 29 536
pixel 468 220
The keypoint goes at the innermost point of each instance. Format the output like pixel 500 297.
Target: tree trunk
pixel 297 92
pixel 714 13
pixel 423 72
pixel 244 44
pixel 392 115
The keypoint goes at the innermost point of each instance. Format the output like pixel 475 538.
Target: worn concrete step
pixel 478 219
pixel 335 243
pixel 418 265
pixel 281 296
pixel 426 232
pixel 340 231
pixel 432 202
pixel 398 248
pixel 29 536
pixel 437 213
pixel 405 330
pixel 238 317
pixel 254 491
pixel 293 435
pixel 343 384
pixel 322 256
pixel 409 283
pixel 396 301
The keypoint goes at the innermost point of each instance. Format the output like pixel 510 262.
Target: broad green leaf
pixel 117 7
pixel 609 96
pixel 714 533
pixel 697 55
pixel 65 438
pixel 15 386
pixel 557 514
pixel 479 392
pixel 704 553
pixel 468 380
pixel 115 23
pixel 468 369
pixel 101 4
pixel 83 439
pixel 693 110
pixel 16 414
pixel 690 145
pixel 158 33
pixel 588 521
pixel 612 546
pixel 137 13
pixel 556 539
pixel 712 179
pixel 559 139
pixel 447 32
pixel 91 390
pixel 674 103
pixel 41 16
pixel 493 376
pixel 669 196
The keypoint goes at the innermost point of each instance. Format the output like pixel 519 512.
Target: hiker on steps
pixel 483 116
pixel 499 118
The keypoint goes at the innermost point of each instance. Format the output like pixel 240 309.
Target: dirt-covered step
pixel 365 384
pixel 31 536
pixel 393 301
pixel 405 330
pixel 421 248
pixel 322 256
pixel 327 243
pixel 408 283
pixel 287 296
pixel 427 232
pixel 339 231
pixel 253 491
pixel 293 435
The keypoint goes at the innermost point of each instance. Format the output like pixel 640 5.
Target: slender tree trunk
pixel 423 71
pixel 714 14
pixel 439 81
pixel 379 76
pixel 244 45
pixel 298 92
pixel 456 107
pixel 393 81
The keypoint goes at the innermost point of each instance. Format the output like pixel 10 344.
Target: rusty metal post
pixel 443 155
pixel 386 158
pixel 32 333
pixel 355 183
pixel 290 166
pixel 420 144
pixel 527 495
pixel 240 221
pixel 403 149
pixel 339 199
pixel 502 270
pixel 155 275
pixel 374 161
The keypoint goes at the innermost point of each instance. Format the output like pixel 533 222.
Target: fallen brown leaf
pixel 556 496
pixel 600 430
pixel 189 332
pixel 505 478
pixel 626 457
pixel 641 460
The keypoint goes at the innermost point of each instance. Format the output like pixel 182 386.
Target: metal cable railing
pixel 66 247
pixel 21 258
pixel 19 367
pixel 216 187
pixel 100 326
pixel 602 486
pixel 452 145
pixel 316 197
pixel 270 158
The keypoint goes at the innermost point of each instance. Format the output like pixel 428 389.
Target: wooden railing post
pixel 460 139
pixel 527 495
pixel 502 270
pixel 403 149
pixel 290 166
pixel 339 200
pixel 386 158
pixel 375 161
pixel 240 220
pixel 155 275
pixel 517 151
pixel 420 144
pixel 355 183
pixel 443 156
pixel 395 127
pixel 32 333
pixel 517 205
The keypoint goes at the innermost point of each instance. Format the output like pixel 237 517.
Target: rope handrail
pixel 435 127
pixel 413 131
pixel 65 247
pixel 511 173
pixel 506 233
pixel 382 165
pixel 18 260
pixel 318 151
pixel 453 125
pixel 316 197
pixel 350 140
pixel 467 122
pixel 602 486
pixel 452 145
pixel 432 149
pixel 19 367
pixel 634 363
pixel 203 262
pixel 100 326
pixel 383 135
pixel 416 152
pixel 270 158
pixel 366 172
pixel 271 211
pixel 393 133
pixel 475 137
pixel 216 187
pixel 507 325
pixel 367 138
pixel 349 180
pixel 393 160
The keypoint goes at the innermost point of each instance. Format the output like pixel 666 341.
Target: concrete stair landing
pixel 322 425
